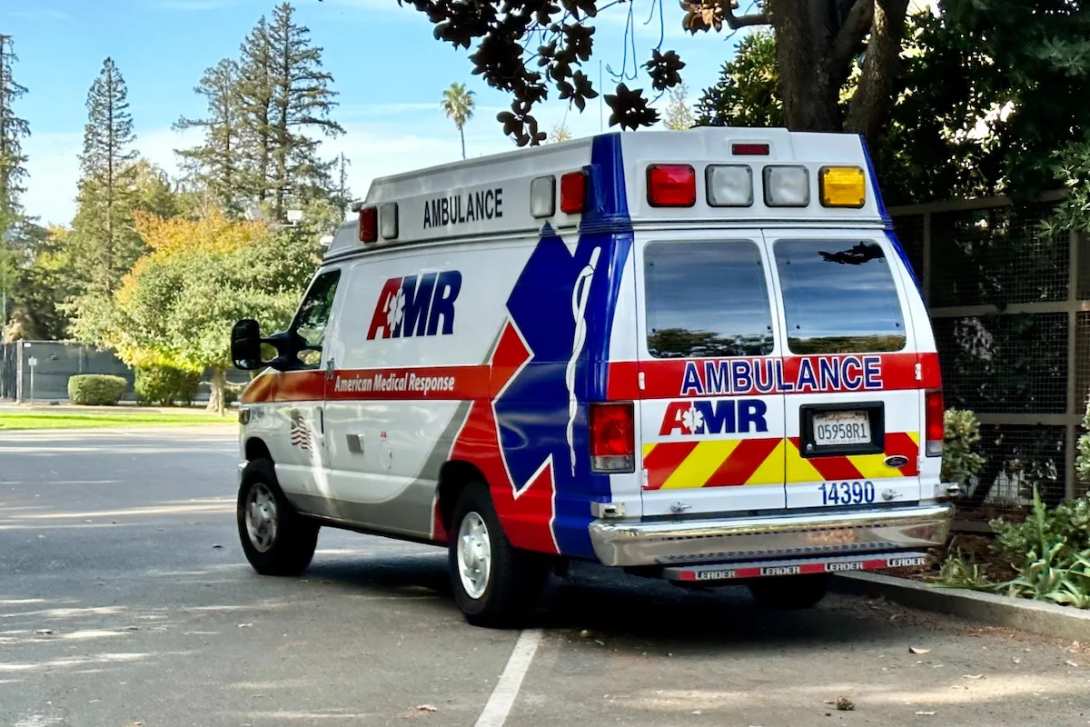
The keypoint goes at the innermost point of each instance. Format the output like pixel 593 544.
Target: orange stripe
pixel 661 462
pixel 285 386
pixel 742 462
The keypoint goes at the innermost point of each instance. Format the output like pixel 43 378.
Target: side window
pixel 706 299
pixel 313 316
pixel 839 297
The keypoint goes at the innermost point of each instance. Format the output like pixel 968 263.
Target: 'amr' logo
pixel 723 416
pixel 416 305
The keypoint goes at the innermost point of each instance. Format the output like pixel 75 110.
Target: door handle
pixel 330 368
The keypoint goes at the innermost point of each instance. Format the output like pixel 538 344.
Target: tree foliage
pixel 13 130
pixel 679 115
pixel 177 305
pixel 529 48
pixel 748 91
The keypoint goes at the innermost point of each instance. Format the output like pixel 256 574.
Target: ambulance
pixel 699 356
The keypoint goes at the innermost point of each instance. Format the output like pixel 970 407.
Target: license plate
pixel 834 428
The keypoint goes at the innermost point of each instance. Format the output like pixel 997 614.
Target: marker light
pixel 729 185
pixel 543 196
pixel 573 192
pixel 749 149
pixel 388 221
pixel 787 186
pixel 671 185
pixel 842 187
pixel 368 224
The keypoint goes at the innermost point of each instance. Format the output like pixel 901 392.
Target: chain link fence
pixel 1010 309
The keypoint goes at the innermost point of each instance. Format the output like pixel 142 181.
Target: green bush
pixel 96 389
pixel 1066 525
pixel 164 385
pixel 959 461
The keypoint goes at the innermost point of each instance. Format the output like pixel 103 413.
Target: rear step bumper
pixel 635 543
pixel 792 567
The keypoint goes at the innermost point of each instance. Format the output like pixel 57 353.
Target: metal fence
pixel 1011 312
pixel 39 370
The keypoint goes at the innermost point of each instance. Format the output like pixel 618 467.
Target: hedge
pixel 164 385
pixel 96 389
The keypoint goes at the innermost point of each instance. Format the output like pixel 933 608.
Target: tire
pixel 786 593
pixel 276 539
pixel 512 579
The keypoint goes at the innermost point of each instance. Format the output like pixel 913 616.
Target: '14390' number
pixel 847 493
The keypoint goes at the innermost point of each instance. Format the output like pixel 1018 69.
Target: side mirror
pixel 246 345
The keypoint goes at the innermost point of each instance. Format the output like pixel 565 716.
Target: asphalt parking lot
pixel 126 600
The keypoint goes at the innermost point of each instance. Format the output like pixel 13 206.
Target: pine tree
pixel 105 240
pixel 255 86
pixel 12 131
pixel 342 196
pixel 284 95
pixel 215 165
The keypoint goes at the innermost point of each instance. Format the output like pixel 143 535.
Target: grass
pixel 112 419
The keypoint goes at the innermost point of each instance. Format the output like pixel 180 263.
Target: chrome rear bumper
pixel 635 543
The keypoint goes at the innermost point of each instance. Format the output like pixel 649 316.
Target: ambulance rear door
pixel 711 423
pixel 852 382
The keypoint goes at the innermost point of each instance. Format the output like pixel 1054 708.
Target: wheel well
pixel 455 476
pixel 257 449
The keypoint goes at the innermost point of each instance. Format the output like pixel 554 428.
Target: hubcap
pixel 474 555
pixel 261 520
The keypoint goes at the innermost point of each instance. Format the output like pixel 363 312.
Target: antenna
pixel 601 96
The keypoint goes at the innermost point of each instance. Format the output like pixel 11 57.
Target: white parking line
pixel 503 696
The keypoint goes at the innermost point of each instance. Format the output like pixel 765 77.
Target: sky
pixel 388 70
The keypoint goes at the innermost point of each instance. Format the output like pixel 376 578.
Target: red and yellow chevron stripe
pixel 769 461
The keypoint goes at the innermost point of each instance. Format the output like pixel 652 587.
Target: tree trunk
pixel 874 96
pixel 462 134
pixel 808 83
pixel 217 399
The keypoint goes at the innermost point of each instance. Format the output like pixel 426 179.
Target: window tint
pixel 706 299
pixel 313 316
pixel 839 297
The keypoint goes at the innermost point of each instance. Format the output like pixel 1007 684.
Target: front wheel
pixel 790 592
pixel 494 583
pixel 276 539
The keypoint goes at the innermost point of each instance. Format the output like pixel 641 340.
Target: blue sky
pixel 388 70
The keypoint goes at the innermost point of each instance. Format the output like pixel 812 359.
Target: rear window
pixel 706 299
pixel 839 297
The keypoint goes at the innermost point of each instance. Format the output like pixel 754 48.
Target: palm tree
pixel 458 106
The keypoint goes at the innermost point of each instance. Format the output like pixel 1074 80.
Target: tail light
pixel 612 437
pixel 935 427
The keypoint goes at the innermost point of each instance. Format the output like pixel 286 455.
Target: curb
pixel 1045 619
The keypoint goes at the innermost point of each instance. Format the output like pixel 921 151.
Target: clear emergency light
pixel 786 186
pixel 543 196
pixel 388 221
pixel 729 185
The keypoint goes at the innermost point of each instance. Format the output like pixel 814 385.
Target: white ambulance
pixel 699 356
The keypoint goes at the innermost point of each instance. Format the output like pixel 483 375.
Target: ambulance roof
pixel 490 197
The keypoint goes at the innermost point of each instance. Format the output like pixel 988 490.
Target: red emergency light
pixel 749 149
pixel 671 185
pixel 573 192
pixel 368 224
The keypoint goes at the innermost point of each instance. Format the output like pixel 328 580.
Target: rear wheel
pixel 276 539
pixel 495 584
pixel 789 592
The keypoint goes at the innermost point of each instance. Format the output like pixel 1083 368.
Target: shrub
pixel 959 461
pixel 96 389
pixel 1066 525
pixel 164 385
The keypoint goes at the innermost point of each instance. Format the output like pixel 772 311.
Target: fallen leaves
pixel 925 714
pixel 843 704
pixel 918 650
pixel 426 708
pixel 972 676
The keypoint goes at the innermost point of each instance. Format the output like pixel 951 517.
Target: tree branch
pixel 734 22
pixel 852 32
